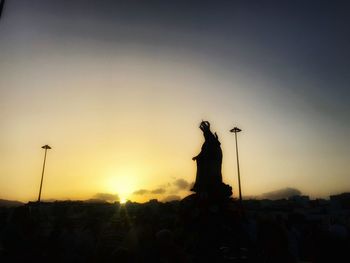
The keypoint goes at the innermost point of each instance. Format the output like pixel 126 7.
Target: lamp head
pixel 235 129
pixel 46 147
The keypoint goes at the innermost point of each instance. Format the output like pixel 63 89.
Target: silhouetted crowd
pixel 167 232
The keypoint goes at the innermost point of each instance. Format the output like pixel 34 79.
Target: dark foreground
pixel 265 231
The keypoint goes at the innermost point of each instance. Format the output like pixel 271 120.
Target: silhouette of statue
pixel 209 178
pixel 208 161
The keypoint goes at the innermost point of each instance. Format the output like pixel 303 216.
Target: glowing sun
pixel 123 200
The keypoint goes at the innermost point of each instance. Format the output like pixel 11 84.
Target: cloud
pixel 158 191
pixel 171 198
pixel 182 184
pixel 145 191
pixel 106 197
pixel 141 192
pixel 170 188
pixel 281 193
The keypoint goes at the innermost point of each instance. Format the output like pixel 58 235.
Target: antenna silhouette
pixel 46 147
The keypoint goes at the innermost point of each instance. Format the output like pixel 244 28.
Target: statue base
pixel 215 193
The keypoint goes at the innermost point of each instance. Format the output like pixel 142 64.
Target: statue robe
pixel 209 160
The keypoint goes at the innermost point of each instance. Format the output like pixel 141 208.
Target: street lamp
pixel 236 130
pixel 46 147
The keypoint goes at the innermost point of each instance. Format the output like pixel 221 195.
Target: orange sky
pixel 121 106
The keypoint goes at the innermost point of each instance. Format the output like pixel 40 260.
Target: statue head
pixel 205 126
pixel 208 135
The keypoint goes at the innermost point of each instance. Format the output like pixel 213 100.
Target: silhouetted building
pixel 341 200
pixel 302 200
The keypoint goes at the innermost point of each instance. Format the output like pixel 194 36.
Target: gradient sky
pixel 118 89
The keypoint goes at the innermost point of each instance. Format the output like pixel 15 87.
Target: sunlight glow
pixel 122 182
pixel 123 200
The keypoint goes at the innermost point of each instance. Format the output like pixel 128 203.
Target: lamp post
pixel 46 147
pixel 236 130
